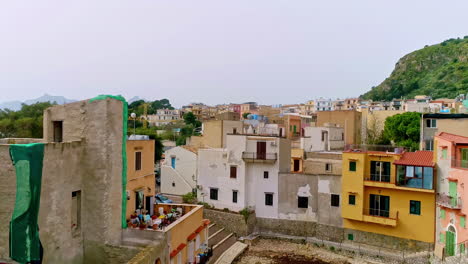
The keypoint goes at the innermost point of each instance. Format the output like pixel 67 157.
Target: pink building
pixel 451 154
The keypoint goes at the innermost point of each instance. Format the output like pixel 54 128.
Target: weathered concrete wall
pixel 7 198
pixel 20 140
pixel 384 241
pixel 232 222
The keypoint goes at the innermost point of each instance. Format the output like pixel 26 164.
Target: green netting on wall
pixel 25 245
pixel 124 151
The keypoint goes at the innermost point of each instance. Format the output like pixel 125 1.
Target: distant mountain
pixel 16 105
pixel 440 71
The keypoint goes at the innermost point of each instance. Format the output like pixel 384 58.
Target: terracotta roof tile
pixel 453 138
pixel 419 158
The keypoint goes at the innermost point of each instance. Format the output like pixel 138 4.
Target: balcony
pixel 448 201
pixel 382 217
pixel 378 178
pixel 259 157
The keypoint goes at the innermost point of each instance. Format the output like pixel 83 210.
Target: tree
pixel 245 115
pixel 26 122
pixel 190 119
pixel 403 129
pixel 159 104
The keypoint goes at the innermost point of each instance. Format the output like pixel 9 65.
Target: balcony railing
pixel 448 201
pixel 381 148
pixel 378 178
pixel 460 164
pixel 381 213
pixel 259 156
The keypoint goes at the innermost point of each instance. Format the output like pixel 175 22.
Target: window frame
pixel 212 194
pixel 415 207
pixel 267 194
pixel 138 160
pixel 236 196
pixel 353 200
pixel 328 167
pixel 354 165
pixel 233 172
pixel 333 201
pixel 266 175
pixel 302 202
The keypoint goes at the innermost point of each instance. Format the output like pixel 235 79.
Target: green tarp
pixel 124 151
pixel 25 245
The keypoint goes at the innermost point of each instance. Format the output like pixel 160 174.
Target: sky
pixel 214 51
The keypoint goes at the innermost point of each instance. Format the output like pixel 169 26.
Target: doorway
pixel 261 150
pixel 450 241
pixel 379 205
pixel 296 165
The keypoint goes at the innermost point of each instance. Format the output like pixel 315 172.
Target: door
pixel 148 203
pixel 450 242
pixel 261 150
pixel 379 205
pixel 139 200
pixel 173 160
pixel 453 193
pixel 296 165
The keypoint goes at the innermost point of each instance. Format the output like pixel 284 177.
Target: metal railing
pixel 259 156
pixel 459 163
pixel 378 178
pixel 448 201
pixel 381 213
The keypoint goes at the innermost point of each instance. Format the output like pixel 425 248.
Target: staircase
pixel 220 240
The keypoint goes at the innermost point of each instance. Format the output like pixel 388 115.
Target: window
pixel 328 167
pixel 265 175
pixel 352 166
pixel 296 165
pixel 233 172
pixel 173 162
pixel 76 210
pixel 269 199
pixel 213 194
pixel 234 196
pixel 415 207
pixel 380 171
pixel 444 153
pixel 429 144
pixel 234 130
pixel 352 199
pixel 302 202
pixel 138 160
pixel 335 200
pixel 431 123
pixel 351 237
pixel 58 131
pixel 173 184
pixel 462 221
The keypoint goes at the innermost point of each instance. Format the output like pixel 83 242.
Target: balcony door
pixel 464 158
pixel 379 205
pixel 380 171
pixel 261 150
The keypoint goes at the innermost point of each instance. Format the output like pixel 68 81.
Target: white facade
pixel 179 171
pixel 164 117
pixel 322 138
pixel 323 104
pixel 256 177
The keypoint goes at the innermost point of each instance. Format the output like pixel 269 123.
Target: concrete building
pixel 323 104
pixel 432 124
pixel 214 133
pixel 326 138
pixel 451 155
pixel 313 195
pixel 140 174
pixel 373 123
pixel 179 170
pixel 80 210
pixel 164 117
pixel 244 174
pixel 350 120
pixel 389 198
pixel 420 104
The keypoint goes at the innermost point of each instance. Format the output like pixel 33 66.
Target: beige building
pixel 350 120
pixel 214 133
pixel 432 124
pixel 140 174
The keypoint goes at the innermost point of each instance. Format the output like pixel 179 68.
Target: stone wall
pixel 389 242
pixel 232 222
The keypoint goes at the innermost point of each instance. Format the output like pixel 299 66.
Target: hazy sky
pixel 217 51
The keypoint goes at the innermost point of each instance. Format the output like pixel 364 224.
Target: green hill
pixel 440 70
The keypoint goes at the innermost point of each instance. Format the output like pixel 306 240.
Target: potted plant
pixel 142 226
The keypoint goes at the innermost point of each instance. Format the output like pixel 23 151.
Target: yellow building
pixel 389 194
pixel 140 174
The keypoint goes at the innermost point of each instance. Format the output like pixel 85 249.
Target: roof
pixel 422 158
pixel 453 138
pixel 445 116
pixel 191 148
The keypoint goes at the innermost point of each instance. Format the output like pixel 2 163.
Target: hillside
pixel 439 70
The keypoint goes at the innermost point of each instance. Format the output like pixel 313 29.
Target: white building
pixel 179 170
pixel 327 138
pixel 323 104
pixel 164 117
pixel 244 174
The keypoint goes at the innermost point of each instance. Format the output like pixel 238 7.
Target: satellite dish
pixel 133 115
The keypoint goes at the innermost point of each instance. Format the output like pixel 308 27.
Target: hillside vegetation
pixel 440 71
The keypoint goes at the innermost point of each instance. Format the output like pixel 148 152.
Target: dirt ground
pixel 274 251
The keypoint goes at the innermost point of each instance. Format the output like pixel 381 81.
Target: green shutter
pixel 462 221
pixel 352 166
pixel 442 238
pixel 350 237
pixel 462 248
pixel 444 153
pixel 442 213
pixel 453 193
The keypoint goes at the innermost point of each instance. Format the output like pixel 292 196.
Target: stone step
pixel 231 253
pixel 215 233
